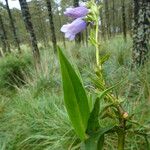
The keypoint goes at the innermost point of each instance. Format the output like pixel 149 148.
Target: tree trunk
pixel 63 38
pixel 102 24
pixel 13 27
pixel 50 14
pixel 3 35
pixel 107 18
pixel 78 36
pixel 27 20
pixel 124 20
pixel 130 17
pixel 141 31
pixel 113 16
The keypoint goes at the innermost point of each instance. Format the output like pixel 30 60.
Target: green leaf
pixel 104 58
pixel 96 141
pixel 91 102
pixel 100 144
pixel 75 97
pixel 93 122
pixel 93 41
pixel 105 92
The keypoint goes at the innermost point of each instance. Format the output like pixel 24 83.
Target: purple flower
pixel 72 29
pixel 76 12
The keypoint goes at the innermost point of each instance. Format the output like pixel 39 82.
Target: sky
pixel 12 3
pixel 15 3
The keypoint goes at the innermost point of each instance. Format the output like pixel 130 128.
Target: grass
pixel 33 116
pixel 13 69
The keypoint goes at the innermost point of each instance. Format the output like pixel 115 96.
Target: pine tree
pixel 3 35
pixel 51 21
pixel 113 16
pixel 124 20
pixel 141 31
pixel 13 26
pixel 27 20
pixel 4 45
pixel 107 18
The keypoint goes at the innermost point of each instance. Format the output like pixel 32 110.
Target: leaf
pixel 93 41
pixel 75 97
pixel 96 141
pixel 90 102
pixel 104 58
pixel 93 122
pixel 100 144
pixel 102 94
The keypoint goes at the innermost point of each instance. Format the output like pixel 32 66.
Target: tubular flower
pixel 76 12
pixel 72 29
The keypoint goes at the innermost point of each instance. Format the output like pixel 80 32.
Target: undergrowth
pixel 13 69
pixel 34 117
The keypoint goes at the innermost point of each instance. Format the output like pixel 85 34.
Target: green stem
pixel 121 139
pixel 97 47
pixel 121 134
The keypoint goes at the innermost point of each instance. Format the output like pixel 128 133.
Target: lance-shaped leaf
pixel 96 141
pixel 93 122
pixel 75 97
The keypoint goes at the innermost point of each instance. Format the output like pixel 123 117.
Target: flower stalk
pixel 121 134
pixel 82 17
pixel 97 45
pixel 121 139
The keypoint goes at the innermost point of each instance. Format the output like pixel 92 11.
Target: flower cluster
pixel 78 24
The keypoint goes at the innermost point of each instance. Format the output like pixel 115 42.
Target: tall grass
pixel 13 69
pixel 34 117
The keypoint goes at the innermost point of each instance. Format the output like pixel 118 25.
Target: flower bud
pixel 125 115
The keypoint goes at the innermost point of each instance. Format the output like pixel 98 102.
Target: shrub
pixel 13 70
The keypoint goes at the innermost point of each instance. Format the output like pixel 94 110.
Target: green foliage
pixel 93 122
pixel 28 123
pixel 35 118
pixel 120 51
pixel 13 69
pixel 75 97
pixel 96 141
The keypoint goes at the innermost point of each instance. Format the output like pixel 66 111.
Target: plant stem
pixel 121 140
pixel 97 47
pixel 121 134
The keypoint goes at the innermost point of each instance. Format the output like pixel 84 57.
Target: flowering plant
pixel 72 29
pixel 78 24
pixel 84 112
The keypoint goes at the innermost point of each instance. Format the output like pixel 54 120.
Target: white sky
pixel 12 3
